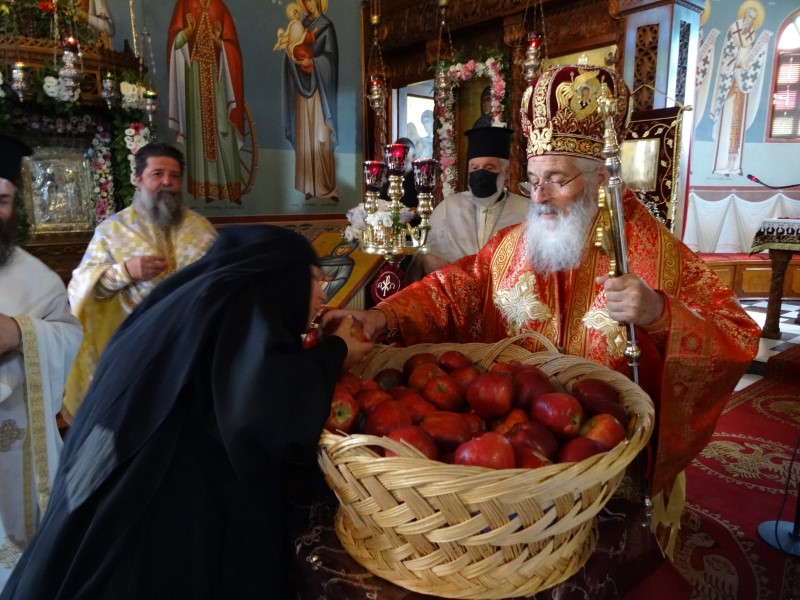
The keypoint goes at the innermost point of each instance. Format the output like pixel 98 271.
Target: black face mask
pixel 483 183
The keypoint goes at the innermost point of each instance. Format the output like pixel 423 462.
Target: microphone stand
pixel 783 535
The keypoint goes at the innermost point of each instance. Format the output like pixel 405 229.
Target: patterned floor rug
pixel 745 477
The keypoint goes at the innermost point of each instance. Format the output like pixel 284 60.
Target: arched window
pixel 784 117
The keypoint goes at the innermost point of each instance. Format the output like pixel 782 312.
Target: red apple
pixel 344 411
pixel 604 429
pixel 560 412
pixel 449 429
pixel 444 392
pixel 514 416
pixel 386 417
pixel 417 359
pixel 531 434
pixel 490 449
pixel 369 384
pixel 450 360
pixel 476 424
pixel 369 399
pixel 400 391
pixel 418 407
pixel 357 331
pixel 312 337
pixel 597 407
pixel 389 377
pixel 590 389
pixel 528 458
pixel 417 437
pixel 465 374
pixel 529 384
pixel 506 369
pixel 490 394
pixel 350 381
pixel 421 374
pixel 579 448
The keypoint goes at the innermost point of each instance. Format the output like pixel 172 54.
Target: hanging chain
pixel 544 33
pixel 133 31
pixel 525 17
pixel 56 35
pixel 147 45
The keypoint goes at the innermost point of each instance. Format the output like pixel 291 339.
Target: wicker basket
pixel 469 532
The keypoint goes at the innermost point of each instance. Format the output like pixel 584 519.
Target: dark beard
pixel 8 232
pixel 163 209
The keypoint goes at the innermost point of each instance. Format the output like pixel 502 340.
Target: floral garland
pixel 359 219
pixel 494 69
pixel 102 175
pixel 115 139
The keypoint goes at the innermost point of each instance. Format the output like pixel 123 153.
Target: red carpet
pixel 738 482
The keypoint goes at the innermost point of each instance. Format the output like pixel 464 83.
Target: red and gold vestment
pixel 692 356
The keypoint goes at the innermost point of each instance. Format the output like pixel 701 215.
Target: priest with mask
pixel 462 223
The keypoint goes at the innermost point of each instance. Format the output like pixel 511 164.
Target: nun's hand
pixel 351 332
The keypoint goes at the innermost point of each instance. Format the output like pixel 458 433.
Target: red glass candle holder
pixel 394 155
pixel 425 174
pixel 535 39
pixel 374 175
pixel 70 44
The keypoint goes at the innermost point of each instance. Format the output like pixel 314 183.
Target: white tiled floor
pixel 790 335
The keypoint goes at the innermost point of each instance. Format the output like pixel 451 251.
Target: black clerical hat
pixel 11 152
pixel 488 141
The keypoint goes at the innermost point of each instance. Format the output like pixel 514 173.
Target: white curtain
pixel 728 225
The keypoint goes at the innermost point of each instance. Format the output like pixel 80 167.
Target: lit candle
pixel 395 157
pixel 534 39
pixel 425 174
pixel 71 44
pixel 374 175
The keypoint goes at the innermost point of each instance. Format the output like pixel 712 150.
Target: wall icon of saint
pixel 737 92
pixel 206 97
pixel 310 93
pixel 337 268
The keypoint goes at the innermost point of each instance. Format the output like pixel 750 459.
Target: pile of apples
pixel 453 411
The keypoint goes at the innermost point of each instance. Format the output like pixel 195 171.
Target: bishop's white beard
pixel 163 209
pixel 558 244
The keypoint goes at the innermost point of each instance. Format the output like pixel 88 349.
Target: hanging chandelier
pixel 536 50
pixel 150 95
pixel 20 78
pixel 376 69
pixel 70 75
pixel 442 82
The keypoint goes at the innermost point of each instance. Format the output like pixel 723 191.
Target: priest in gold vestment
pixel 130 253
pixel 546 276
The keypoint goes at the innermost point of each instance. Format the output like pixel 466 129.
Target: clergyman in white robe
pixel 32 380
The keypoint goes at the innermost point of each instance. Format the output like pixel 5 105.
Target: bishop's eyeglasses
pixel 548 187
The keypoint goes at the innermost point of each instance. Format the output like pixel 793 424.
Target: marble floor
pixel 790 335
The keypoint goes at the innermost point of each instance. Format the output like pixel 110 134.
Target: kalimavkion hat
pixel 11 152
pixel 488 141
pixel 559 111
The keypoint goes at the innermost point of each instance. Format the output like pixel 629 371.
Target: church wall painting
pixel 731 127
pixel 271 183
pixel 734 74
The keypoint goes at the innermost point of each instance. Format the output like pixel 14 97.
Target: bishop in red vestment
pixel 546 276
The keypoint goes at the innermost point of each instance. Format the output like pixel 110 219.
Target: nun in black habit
pixel 172 478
